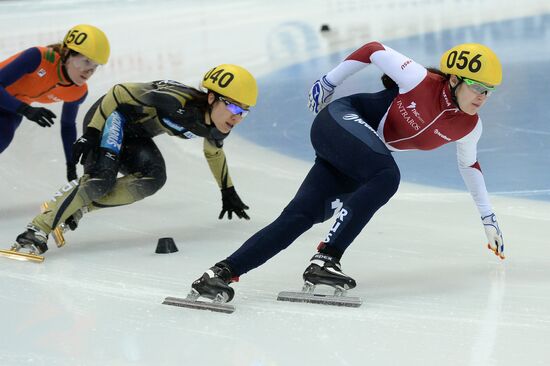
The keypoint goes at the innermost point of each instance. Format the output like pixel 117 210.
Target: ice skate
pixel 213 285
pixel 324 270
pixel 28 246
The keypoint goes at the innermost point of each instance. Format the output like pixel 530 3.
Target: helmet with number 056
pixel 473 61
pixel 232 81
pixel 89 41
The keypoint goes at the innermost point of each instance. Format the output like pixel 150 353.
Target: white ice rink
pixel 433 294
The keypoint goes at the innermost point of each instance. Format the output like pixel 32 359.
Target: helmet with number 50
pixel 89 41
pixel 473 61
pixel 232 81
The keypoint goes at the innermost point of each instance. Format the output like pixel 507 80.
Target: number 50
pixel 76 37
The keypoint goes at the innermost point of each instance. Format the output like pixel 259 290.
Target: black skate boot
pixel 34 240
pixel 71 223
pixel 214 284
pixel 326 270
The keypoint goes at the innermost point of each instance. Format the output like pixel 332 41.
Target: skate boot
pixel 72 221
pixel 34 240
pixel 214 284
pixel 326 270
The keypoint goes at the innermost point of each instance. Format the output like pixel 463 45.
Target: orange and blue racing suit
pixel 37 75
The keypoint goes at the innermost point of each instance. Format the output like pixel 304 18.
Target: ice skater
pixel 354 173
pixel 55 73
pixel 119 129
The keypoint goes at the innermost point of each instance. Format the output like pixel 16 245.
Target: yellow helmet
pixel 473 61
pixel 233 82
pixel 89 41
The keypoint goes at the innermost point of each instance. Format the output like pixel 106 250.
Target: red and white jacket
pixel 423 115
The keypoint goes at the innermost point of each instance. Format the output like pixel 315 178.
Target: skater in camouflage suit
pixel 118 132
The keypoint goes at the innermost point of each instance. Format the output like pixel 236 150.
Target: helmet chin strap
pixel 210 115
pixel 453 93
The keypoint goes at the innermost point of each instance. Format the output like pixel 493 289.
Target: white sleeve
pixel 404 71
pixel 466 149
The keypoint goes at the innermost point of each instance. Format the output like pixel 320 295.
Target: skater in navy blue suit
pixel 354 173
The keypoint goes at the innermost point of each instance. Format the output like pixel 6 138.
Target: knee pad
pixel 146 185
pixel 101 173
pixel 99 184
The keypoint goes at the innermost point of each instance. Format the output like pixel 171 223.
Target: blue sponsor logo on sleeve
pixel 182 130
pixel 113 132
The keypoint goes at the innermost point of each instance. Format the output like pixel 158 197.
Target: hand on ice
pixel 231 203
pixel 494 235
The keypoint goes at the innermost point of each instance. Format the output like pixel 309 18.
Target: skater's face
pixel 80 68
pixel 470 97
pixel 226 113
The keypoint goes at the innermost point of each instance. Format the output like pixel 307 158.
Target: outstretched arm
pixel 25 63
pixel 68 134
pixel 473 178
pixel 231 202
pixel 405 72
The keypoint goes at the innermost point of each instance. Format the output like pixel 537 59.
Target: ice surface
pixel 432 293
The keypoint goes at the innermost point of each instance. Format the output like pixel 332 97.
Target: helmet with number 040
pixel 89 41
pixel 232 81
pixel 473 61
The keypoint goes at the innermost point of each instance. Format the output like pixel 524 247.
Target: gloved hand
pixel 43 116
pixel 71 172
pixel 86 143
pixel 231 202
pixel 496 243
pixel 320 94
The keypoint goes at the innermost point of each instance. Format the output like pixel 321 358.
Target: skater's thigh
pixel 322 192
pixel 141 155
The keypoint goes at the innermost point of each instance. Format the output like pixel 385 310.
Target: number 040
pixel 222 78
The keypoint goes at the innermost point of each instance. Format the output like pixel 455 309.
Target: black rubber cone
pixel 166 245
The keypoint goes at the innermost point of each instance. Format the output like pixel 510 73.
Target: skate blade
pixel 348 301
pixel 200 305
pixel 12 254
pixel 58 237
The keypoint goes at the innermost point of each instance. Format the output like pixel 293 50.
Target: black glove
pixel 71 172
pixel 44 117
pixel 231 202
pixel 86 143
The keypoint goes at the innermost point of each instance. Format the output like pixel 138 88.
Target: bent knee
pixel 149 184
pixel 98 186
pixel 392 178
